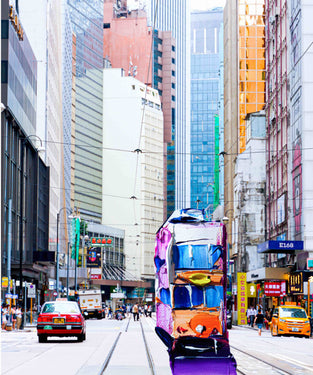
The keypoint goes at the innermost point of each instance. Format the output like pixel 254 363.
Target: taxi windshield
pixel 61 307
pixel 292 313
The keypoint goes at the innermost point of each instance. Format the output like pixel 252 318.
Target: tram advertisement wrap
pixel 242 298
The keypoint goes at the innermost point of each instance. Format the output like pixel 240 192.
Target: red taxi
pixel 61 319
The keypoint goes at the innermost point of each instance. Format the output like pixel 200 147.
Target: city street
pixel 22 354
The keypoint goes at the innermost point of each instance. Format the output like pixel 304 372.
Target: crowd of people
pixel 12 316
pixel 123 311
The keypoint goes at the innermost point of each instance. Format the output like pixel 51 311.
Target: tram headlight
pixel 200 328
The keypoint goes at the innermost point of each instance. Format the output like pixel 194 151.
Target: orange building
pixel 127 40
pixel 251 62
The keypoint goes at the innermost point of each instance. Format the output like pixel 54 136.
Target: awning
pixel 268 273
pixel 280 247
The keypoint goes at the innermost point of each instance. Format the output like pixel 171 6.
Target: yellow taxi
pixel 290 319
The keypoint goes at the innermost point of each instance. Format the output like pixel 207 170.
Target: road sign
pixel 55 294
pixel 31 291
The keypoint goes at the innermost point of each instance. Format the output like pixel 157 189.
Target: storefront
pixel 298 288
pixel 270 286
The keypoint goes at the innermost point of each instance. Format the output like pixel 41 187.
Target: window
pixel 173 73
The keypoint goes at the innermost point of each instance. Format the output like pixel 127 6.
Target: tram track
pixel 106 363
pixel 274 369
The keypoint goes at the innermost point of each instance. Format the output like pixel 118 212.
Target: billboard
pixel 94 257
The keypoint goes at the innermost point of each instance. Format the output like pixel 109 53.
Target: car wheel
pixel 81 337
pixel 42 338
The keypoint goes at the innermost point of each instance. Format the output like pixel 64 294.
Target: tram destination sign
pixel 280 246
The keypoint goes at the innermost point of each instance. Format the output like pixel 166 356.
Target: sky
pixel 206 4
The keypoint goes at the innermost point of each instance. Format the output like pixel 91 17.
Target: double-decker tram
pixel 191 281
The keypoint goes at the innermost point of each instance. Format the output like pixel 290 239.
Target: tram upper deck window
pixel 186 297
pixel 190 256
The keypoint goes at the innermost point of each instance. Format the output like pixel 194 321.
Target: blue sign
pixel 280 246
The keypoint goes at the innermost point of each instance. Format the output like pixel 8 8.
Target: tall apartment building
pixel 277 104
pixel 247 95
pixel 164 80
pixel 133 165
pixel 231 114
pixel 205 95
pixel 87 25
pixel 300 192
pixel 175 16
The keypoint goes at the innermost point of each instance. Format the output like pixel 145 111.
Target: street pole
pixel 68 268
pixel 76 237
pixel 9 248
pixel 57 276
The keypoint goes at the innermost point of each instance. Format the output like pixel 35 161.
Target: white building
pixel 133 166
pixel 249 196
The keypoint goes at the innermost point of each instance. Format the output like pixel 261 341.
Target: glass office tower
pixel 87 23
pixel 205 96
pixel 174 16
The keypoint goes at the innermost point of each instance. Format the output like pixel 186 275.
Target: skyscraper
pixel 87 22
pixel 169 15
pixel 205 95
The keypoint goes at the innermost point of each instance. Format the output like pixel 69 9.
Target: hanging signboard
pixel 94 257
pixel 101 241
pixel 242 298
pixel 275 288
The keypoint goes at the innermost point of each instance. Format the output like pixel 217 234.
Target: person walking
pixel 135 312
pixel 13 314
pixel 253 314
pixel 18 313
pixel 249 313
pixel 4 312
pixel 259 320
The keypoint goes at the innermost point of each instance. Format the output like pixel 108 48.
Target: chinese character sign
pixel 275 289
pixel 242 304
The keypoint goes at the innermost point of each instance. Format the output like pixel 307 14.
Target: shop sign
pixel 102 241
pixel 5 282
pixel 95 277
pixel 251 290
pixel 275 289
pixel 296 283
pixel 242 297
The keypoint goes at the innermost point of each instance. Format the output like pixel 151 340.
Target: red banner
pixel 275 289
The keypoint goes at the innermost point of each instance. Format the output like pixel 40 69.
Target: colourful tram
pixel 191 281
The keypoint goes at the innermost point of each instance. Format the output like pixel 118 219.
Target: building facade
pixel 87 24
pixel 25 177
pixel 175 16
pixel 205 95
pixel 133 146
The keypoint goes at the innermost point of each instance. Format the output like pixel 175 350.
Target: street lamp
pixel 57 266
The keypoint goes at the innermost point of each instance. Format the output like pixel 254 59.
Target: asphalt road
pixel 22 354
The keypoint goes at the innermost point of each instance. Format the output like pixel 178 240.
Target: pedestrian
pixel 259 320
pixel 146 310
pixel 4 312
pixel 13 314
pixel 248 314
pixel 150 311
pixel 135 312
pixel 128 309
pixel 18 313
pixel 253 314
